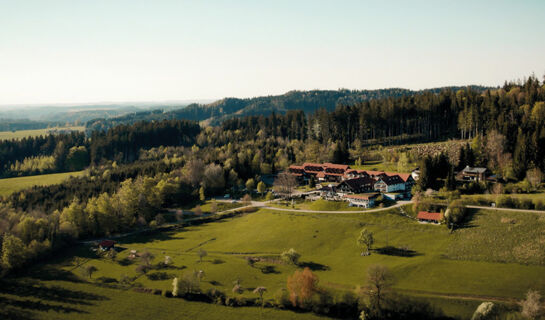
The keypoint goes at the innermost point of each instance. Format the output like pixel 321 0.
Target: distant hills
pixel 308 101
pixel 27 117
pixel 108 115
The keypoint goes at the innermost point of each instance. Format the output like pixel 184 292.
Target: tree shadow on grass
pixel 150 235
pixel 269 270
pixel 313 266
pixel 215 283
pixel 469 218
pixel 50 273
pixel 9 312
pixel 38 306
pixel 24 288
pixel 397 252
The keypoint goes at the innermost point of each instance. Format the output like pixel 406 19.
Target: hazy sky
pixel 90 51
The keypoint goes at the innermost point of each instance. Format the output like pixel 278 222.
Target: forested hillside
pixel 307 101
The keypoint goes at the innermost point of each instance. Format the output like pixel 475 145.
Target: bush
pixel 539 204
pixel 282 299
pixel 166 293
pixel 505 202
pixel 291 256
pixel 526 204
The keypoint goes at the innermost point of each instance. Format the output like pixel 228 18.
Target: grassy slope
pixel 8 135
pixel 318 205
pixel 10 185
pixel 77 300
pixel 531 196
pixel 327 241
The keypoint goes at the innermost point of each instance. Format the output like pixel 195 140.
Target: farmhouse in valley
pixel 337 181
pixel 362 200
pixel 473 174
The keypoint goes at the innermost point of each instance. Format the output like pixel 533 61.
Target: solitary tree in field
pixel 455 214
pixel 237 288
pixel 260 291
pixel 379 279
pixel 175 283
pixel 201 253
pixel 531 306
pixel 146 257
pixel 200 275
pixel 365 241
pixel 89 270
pixel 302 285
pixel 291 256
pixel 261 188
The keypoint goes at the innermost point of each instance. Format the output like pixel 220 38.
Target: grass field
pixel 10 185
pixel 73 299
pixel 221 206
pixel 8 135
pixel 530 196
pixel 318 205
pixel 442 268
pixel 510 237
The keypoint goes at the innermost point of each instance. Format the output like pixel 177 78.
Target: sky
pixel 78 51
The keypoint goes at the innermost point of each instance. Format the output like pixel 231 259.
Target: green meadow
pixel 10 185
pixel 19 134
pixel 453 271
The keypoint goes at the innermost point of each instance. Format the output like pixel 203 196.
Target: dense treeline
pixel 510 120
pixel 73 151
pixel 23 124
pixel 307 101
pixel 57 145
pixel 103 180
pixel 124 142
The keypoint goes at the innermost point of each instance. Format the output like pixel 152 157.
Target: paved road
pixel 265 206
pixel 496 208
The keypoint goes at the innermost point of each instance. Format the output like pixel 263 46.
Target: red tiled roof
pixel 320 174
pixel 297 167
pixel 334 174
pixel 424 215
pixel 404 176
pixel 336 166
pixel 310 164
pixel 296 174
pixel 373 173
pixel 106 243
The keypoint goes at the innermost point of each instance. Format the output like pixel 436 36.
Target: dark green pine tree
pixel 425 179
pixel 462 159
pixel 450 181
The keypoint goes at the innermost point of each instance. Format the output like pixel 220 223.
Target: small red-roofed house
pixel 433 217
